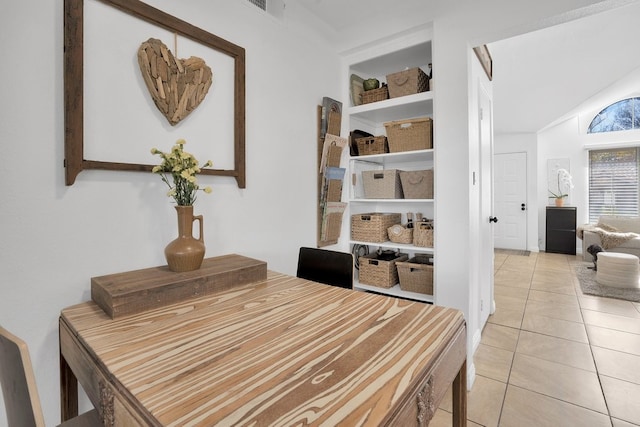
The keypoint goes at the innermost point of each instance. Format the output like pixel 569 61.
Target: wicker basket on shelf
pixel 423 234
pixel 407 82
pixel 372 145
pixel 417 184
pixel 416 275
pixel 410 135
pixel 400 234
pixel 382 184
pixel 380 272
pixel 372 227
pixel 375 95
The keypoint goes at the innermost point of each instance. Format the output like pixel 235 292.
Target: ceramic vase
pixel 186 253
pixel 559 201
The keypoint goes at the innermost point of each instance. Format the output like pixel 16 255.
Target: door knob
pixel 523 207
pixel 493 219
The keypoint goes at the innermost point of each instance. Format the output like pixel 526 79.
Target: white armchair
pixel 613 234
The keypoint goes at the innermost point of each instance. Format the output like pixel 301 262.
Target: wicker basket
pixel 372 227
pixel 409 135
pixel 382 184
pixel 416 275
pixel 375 95
pixel 399 234
pixel 379 272
pixel 423 234
pixel 417 184
pixel 372 145
pixel 407 82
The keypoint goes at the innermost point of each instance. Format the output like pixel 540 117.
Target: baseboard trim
pixel 471 374
pixel 475 342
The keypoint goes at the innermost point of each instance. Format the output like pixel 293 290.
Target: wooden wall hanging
pixel 482 52
pixel 74 161
pixel 330 175
pixel 177 86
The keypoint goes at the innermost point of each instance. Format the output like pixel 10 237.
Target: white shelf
pixel 391 245
pixel 404 156
pixel 418 55
pixel 392 200
pixel 394 291
pixel 404 107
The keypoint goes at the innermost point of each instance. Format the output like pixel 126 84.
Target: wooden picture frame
pixel 74 161
pixel 482 52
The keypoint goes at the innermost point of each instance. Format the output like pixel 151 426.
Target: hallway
pixel 551 356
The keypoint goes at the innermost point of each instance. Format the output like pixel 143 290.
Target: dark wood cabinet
pixel 561 230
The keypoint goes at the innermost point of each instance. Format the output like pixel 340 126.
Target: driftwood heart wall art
pixel 177 86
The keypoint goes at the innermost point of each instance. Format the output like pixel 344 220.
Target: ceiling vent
pixel 262 4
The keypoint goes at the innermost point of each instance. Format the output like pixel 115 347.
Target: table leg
pixel 68 391
pixel 460 397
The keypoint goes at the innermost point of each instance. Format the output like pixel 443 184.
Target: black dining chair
pixel 325 266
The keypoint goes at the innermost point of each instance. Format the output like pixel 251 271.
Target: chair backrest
pixel 326 266
pixel 19 389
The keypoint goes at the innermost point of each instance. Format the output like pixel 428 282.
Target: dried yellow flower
pixel 182 167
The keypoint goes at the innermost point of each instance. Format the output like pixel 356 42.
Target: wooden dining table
pixel 281 351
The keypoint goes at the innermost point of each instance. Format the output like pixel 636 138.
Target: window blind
pixel 613 183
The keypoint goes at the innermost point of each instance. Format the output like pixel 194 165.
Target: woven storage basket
pixel 416 275
pixel 377 272
pixel 417 184
pixel 372 227
pixel 372 145
pixel 409 135
pixel 382 184
pixel 399 234
pixel 407 82
pixel 423 234
pixel 375 95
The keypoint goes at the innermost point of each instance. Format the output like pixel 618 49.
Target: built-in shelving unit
pixel 392 57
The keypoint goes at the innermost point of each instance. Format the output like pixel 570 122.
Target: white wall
pixel 55 238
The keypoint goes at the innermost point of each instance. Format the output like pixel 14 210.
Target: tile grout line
pixel 513 357
pixel 520 329
pixel 595 363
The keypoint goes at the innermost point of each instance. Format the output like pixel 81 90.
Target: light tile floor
pixel 551 356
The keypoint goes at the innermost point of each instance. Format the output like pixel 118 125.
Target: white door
pixel 486 207
pixel 510 185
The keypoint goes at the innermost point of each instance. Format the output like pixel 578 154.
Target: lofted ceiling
pixel 539 77
pixel 543 76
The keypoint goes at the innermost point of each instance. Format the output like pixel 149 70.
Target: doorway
pixel 510 185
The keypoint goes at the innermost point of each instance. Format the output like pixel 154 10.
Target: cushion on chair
pixel 623 224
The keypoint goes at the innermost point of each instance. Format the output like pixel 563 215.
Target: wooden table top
pixel 284 351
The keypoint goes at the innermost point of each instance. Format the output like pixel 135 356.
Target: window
pixel 613 182
pixel 622 115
